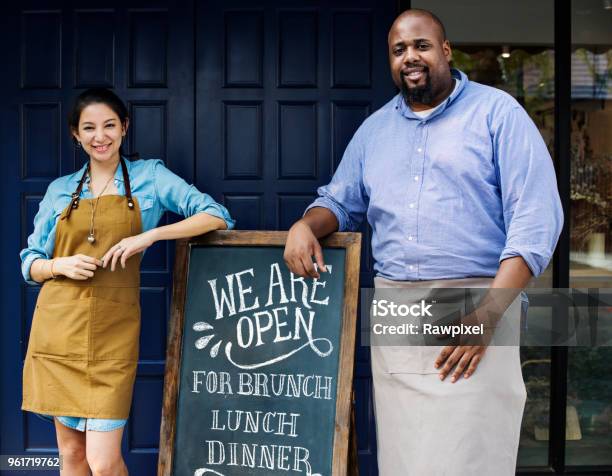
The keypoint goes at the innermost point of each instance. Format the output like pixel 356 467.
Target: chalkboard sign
pixel 260 361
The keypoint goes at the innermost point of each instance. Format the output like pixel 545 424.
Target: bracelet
pixel 52 263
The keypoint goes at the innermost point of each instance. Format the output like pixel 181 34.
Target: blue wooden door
pixel 281 86
pixel 144 50
pixel 253 101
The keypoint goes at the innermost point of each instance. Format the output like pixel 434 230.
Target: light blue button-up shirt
pixel 452 194
pixel 156 188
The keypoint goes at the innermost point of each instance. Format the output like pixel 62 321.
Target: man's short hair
pixel 433 16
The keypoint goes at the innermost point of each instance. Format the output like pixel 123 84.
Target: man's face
pixel 419 58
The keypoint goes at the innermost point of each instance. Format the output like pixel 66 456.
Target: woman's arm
pixel 176 195
pixel 82 267
pixel 42 269
pixel 197 224
pixel 36 263
pixel 79 267
pixel 35 258
pixel 202 214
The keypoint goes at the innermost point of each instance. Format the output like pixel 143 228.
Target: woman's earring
pixel 78 145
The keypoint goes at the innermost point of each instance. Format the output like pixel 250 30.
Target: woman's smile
pixel 101 148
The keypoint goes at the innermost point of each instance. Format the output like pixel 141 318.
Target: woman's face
pixel 100 132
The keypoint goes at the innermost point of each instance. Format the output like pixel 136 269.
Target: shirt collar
pixel 405 111
pixel 118 173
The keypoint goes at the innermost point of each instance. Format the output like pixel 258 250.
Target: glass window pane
pixel 590 369
pixel 589 405
pixel 591 153
pixel 533 448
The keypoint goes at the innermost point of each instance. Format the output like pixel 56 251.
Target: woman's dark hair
pixel 98 96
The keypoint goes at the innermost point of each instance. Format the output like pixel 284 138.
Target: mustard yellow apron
pixel 83 348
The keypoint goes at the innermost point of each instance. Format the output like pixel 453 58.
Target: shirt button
pixel 419 150
pixel 411 267
pixel 410 238
pixel 411 205
pixel 416 178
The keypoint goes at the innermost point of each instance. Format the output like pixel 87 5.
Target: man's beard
pixel 420 94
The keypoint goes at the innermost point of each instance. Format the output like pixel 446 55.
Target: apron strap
pixel 74 202
pixel 76 196
pixel 126 183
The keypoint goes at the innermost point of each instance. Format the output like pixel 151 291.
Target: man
pixel 459 189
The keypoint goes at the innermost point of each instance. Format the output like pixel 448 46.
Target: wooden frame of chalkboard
pixel 344 458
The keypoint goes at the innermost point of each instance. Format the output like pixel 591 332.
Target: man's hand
pixel 79 267
pixel 126 248
pixel 513 275
pixel 462 358
pixel 301 246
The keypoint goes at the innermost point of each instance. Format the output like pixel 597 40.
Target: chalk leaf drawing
pixel 202 342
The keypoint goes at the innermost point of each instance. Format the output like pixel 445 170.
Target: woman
pixel 89 233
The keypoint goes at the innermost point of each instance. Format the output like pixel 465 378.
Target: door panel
pixel 144 50
pixel 280 88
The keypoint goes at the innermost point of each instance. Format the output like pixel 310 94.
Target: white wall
pixel 518 22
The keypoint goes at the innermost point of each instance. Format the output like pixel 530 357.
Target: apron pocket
pixel 115 330
pixel 62 328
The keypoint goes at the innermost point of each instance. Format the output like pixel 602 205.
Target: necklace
pixel 91 238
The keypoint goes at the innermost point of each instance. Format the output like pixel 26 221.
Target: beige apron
pixel 83 347
pixel 426 426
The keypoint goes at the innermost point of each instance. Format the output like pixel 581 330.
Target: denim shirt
pixel 156 188
pixel 452 194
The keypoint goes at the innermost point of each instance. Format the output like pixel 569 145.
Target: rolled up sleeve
pixel 179 197
pixel 533 216
pixel 345 196
pixel 44 222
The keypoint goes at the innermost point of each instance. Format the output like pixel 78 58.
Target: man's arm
pixel 341 206
pixel 533 219
pixel 513 273
pixel 512 276
pixel 533 216
pixel 303 243
pixel 321 221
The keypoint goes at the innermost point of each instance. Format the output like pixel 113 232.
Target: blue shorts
pixel 82 424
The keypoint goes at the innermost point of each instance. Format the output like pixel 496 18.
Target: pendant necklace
pixel 91 238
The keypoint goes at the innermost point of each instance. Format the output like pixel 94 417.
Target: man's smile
pixel 414 73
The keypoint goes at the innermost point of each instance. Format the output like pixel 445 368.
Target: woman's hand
pixel 78 267
pixel 126 248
